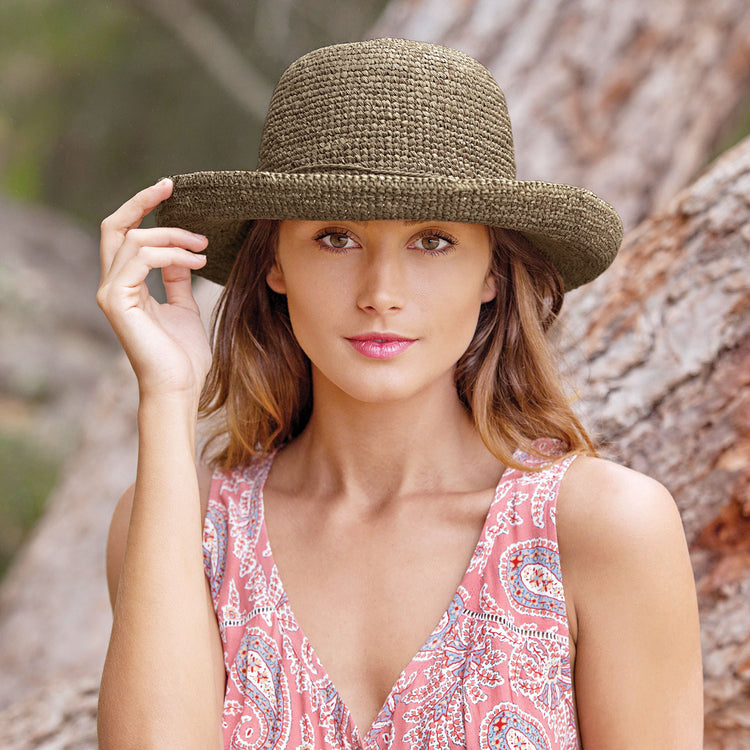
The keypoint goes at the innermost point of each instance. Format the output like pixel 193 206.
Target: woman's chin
pixel 385 389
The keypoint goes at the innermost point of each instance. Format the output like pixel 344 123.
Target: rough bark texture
pixel 61 716
pixel 627 98
pixel 660 345
pixel 614 96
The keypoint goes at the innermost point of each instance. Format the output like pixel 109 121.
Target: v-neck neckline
pixel 431 642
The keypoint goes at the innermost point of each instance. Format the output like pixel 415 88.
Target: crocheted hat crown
pixel 388 106
pixel 392 129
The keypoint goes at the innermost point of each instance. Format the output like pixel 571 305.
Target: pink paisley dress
pixel 494 673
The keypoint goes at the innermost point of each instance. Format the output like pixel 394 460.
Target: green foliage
pixel 739 128
pixel 27 475
pixel 45 50
pixel 99 99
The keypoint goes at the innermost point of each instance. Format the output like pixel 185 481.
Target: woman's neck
pixel 379 451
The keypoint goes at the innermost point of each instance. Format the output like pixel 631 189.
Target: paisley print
pixel 540 670
pixel 470 668
pixel 446 623
pixel 493 673
pixel 530 572
pixel 261 678
pixel 215 547
pixel 507 727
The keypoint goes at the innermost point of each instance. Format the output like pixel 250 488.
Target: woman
pixel 408 539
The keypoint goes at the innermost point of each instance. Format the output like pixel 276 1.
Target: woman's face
pixel 383 309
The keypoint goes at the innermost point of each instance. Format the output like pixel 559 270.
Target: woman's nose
pixel 383 283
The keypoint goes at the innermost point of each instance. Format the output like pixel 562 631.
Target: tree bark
pixel 626 98
pixel 60 716
pixel 660 348
pixel 54 611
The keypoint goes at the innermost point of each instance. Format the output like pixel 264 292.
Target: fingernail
pixel 163 182
pixel 199 236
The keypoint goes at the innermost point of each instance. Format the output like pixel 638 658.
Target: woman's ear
pixel 275 278
pixel 489 290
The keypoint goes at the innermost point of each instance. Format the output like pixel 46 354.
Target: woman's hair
pixel 260 388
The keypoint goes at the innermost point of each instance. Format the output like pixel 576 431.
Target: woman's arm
pixel 118 530
pixel 627 575
pixel 160 687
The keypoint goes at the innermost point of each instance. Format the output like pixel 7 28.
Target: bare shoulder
pixel 118 528
pixel 632 608
pixel 617 529
pixel 607 508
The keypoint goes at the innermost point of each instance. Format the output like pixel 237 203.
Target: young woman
pixel 406 536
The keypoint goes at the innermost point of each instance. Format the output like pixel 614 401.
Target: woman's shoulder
pixel 601 500
pixel 620 538
pixel 631 604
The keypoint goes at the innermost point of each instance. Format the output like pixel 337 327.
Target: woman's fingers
pixel 166 344
pixel 124 288
pixel 129 215
pixel 135 239
pixel 178 286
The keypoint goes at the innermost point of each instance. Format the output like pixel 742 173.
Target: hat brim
pixel 577 231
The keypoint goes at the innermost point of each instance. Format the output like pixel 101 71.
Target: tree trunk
pixel 61 716
pixel 660 348
pixel 619 98
pixel 54 611
pixel 626 98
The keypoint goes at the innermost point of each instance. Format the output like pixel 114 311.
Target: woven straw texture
pixel 392 129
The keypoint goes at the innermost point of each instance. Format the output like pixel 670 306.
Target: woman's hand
pixel 166 343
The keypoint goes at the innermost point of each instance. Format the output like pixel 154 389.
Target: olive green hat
pixel 392 129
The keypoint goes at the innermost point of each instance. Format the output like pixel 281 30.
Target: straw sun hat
pixel 392 129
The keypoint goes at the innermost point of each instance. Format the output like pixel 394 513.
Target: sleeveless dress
pixel 494 673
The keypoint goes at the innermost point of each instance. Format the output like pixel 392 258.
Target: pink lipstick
pixel 380 345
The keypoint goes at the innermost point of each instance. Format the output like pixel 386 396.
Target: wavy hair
pixel 258 394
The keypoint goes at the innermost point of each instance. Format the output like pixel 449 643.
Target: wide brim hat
pixel 392 129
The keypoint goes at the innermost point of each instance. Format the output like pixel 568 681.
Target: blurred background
pixel 97 101
pixel 634 100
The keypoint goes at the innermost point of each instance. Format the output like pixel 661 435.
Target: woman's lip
pixel 375 336
pixel 380 346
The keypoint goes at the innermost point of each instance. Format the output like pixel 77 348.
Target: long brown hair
pixel 260 388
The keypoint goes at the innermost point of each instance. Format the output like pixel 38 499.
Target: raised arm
pixel 627 575
pixel 162 685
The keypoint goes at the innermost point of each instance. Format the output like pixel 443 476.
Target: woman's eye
pixel 432 243
pixel 336 240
